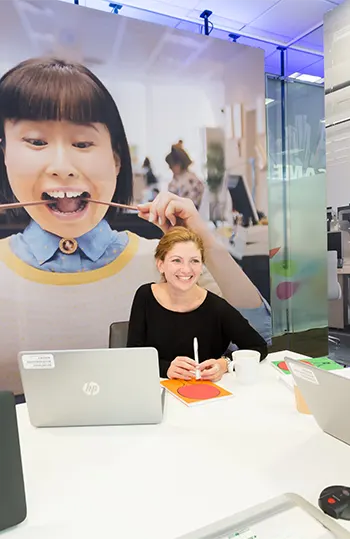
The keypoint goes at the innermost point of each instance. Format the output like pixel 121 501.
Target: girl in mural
pixel 68 276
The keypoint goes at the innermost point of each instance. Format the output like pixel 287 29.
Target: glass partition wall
pixel 297 221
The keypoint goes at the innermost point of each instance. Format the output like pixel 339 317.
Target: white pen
pixel 195 349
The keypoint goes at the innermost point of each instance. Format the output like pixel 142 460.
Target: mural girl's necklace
pixel 68 246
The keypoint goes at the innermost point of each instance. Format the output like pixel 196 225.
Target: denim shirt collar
pixel 43 245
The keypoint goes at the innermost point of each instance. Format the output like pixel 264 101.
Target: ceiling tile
pixel 313 40
pixel 298 61
pixel 291 21
pixel 265 34
pixel 316 69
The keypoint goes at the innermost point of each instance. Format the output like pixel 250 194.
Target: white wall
pixel 338 191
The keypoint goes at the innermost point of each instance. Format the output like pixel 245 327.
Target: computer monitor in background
pixel 242 199
pixel 344 213
pixel 334 243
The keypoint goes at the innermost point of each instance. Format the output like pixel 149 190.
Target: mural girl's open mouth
pixel 66 203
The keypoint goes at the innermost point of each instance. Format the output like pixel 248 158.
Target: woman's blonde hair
pixel 177 234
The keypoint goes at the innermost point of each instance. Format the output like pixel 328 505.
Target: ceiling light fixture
pixel 306 78
pixel 309 78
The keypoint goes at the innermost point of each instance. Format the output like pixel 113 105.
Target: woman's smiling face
pixel 65 162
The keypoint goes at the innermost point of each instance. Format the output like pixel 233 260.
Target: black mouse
pixel 335 502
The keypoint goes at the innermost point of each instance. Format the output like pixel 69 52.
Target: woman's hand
pixel 183 368
pixel 168 210
pixel 213 369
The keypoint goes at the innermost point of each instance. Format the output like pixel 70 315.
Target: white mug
pixel 246 365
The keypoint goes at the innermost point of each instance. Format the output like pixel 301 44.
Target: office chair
pixel 118 334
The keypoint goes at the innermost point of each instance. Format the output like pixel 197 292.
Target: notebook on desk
pixel 193 392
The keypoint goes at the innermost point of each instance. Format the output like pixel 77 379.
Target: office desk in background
pixel 201 464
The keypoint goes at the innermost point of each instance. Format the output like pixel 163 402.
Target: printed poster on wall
pixel 98 107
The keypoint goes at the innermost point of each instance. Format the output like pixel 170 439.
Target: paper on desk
pixel 195 391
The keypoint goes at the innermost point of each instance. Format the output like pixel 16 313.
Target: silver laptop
pixel 112 386
pixel 327 396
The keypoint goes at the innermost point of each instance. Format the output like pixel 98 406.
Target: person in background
pixel 151 190
pixel 184 183
pixel 150 177
pixel 170 314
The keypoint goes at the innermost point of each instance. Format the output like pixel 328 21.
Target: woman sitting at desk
pixel 169 315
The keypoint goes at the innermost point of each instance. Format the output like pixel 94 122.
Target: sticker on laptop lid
pixel 38 361
pixel 304 373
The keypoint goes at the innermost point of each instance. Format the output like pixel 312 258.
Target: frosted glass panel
pixel 277 194
pixel 308 253
pixel 297 198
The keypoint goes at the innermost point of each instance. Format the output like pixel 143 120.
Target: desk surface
pixel 345 270
pixel 158 482
pixel 250 241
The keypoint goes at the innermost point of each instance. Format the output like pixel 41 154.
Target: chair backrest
pixel 118 334
pixel 334 289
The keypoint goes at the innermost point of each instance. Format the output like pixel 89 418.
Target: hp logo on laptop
pixel 91 389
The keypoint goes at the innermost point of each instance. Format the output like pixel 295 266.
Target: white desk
pixel 158 482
